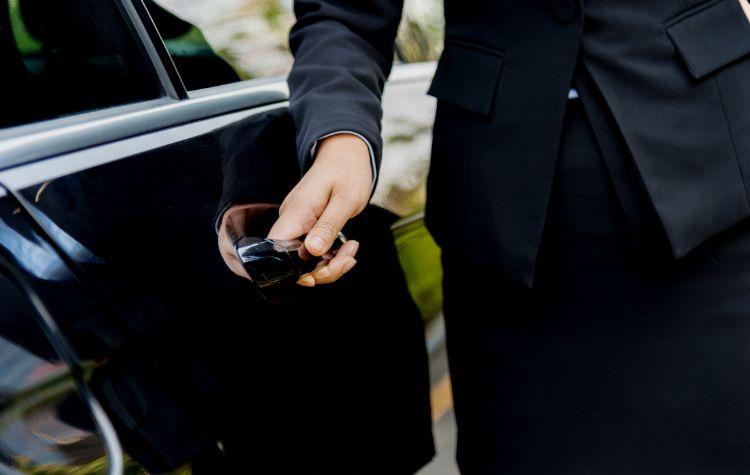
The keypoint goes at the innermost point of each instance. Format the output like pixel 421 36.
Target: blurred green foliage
pixel 25 42
pixel 273 12
pixel 192 43
pixel 420 259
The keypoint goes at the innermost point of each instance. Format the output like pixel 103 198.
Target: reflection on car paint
pixel 44 426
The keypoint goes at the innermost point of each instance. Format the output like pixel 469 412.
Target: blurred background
pixel 251 35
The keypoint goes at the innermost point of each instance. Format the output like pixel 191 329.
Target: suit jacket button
pixel 565 10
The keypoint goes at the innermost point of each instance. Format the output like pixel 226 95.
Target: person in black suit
pixel 589 190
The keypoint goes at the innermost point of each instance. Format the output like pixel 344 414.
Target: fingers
pixel 229 255
pixel 235 220
pixel 300 209
pixel 335 188
pixel 320 238
pixel 342 263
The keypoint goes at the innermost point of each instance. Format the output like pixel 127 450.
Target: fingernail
pixel 348 266
pixel 316 244
pixel 306 281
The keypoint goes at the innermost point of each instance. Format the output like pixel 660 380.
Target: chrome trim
pixel 50 140
pixel 280 81
pixel 78 118
pixel 115 454
pixel 22 144
pixel 39 171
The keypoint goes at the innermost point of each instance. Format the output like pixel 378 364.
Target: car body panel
pixel 49 419
pixel 183 359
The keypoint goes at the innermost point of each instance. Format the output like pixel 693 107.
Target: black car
pixel 126 346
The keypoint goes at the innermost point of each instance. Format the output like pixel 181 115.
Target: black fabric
pixel 643 226
pixel 702 46
pixel 496 138
pixel 620 361
pixel 467 65
pixel 676 128
pixel 343 52
pixel 257 161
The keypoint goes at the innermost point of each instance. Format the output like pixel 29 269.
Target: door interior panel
pixel 201 360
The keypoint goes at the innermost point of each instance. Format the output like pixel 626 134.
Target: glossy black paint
pixel 46 417
pixel 189 364
pixel 194 356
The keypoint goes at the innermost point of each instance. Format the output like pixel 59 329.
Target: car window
pixel 223 41
pixel 198 64
pixel 68 56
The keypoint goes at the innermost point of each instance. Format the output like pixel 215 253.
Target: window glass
pixel 248 38
pixel 196 61
pixel 66 56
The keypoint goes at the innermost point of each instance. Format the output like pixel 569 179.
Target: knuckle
pixel 325 227
pixel 290 202
pixel 353 199
pixel 291 196
pixel 307 220
pixel 299 210
pixel 348 194
pixel 295 200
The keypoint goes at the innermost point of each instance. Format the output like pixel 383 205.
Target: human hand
pixel 336 188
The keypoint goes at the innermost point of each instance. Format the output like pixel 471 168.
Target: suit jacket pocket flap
pixel 711 35
pixel 467 76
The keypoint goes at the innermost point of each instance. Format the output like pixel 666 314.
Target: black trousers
pixel 620 361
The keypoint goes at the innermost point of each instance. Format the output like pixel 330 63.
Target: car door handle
pixel 274 262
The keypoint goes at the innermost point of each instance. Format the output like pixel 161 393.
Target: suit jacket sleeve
pixel 343 52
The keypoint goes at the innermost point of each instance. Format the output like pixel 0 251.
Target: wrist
pixel 348 152
pixel 351 135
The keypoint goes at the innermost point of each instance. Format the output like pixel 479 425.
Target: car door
pixel 50 422
pixel 121 169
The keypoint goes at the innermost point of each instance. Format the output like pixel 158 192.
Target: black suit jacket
pixel 673 75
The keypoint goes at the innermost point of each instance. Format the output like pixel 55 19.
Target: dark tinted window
pixel 196 61
pixel 66 56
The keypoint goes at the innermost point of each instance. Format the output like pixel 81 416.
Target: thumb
pixel 320 238
pixel 298 213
